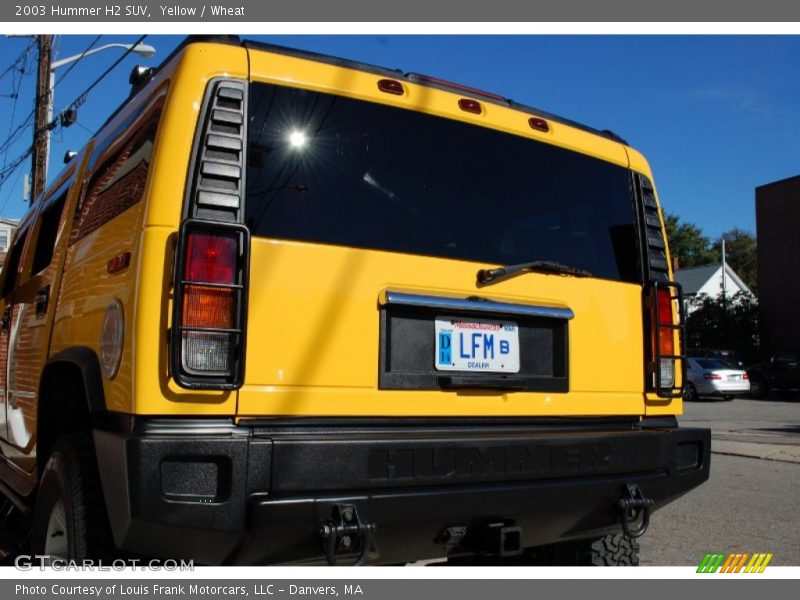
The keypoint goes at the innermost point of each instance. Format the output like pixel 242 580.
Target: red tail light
pixel 711 376
pixel 208 324
pixel 666 336
pixel 745 376
pixel 210 258
pixel 664 299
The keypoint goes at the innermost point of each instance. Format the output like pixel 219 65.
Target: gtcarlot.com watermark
pixel 28 562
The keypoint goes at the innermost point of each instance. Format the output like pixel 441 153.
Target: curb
pixel 775 452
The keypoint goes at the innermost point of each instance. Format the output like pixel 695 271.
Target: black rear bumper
pixel 220 493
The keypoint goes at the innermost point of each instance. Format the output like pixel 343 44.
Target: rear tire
pixel 70 521
pixel 759 388
pixel 615 550
pixel 690 393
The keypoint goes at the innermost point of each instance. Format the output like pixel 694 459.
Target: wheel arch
pixel 70 394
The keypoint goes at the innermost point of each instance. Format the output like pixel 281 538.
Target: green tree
pixel 731 324
pixel 687 243
pixel 740 252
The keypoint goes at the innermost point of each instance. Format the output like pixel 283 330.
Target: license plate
pixel 476 345
pixel 734 377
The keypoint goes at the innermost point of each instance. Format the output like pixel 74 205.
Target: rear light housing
pixel 391 86
pixel 539 124
pixel 470 106
pixel 664 302
pixel 711 376
pixel 209 307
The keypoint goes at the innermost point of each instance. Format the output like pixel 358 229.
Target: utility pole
pixel 40 128
pixel 724 261
pixel 725 327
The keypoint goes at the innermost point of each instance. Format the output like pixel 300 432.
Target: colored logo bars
pixel 734 563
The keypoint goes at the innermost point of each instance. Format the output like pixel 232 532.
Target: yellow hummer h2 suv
pixel 289 308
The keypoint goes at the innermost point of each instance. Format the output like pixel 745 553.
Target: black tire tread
pixel 74 453
pixel 615 550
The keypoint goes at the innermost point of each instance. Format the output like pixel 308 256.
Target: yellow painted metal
pixel 155 391
pixel 313 344
pixel 189 75
pixel 86 291
pixel 313 326
pixel 146 230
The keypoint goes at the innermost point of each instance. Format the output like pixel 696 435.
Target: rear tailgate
pixel 353 194
pixel 314 341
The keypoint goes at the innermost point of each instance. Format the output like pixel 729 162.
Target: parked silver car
pixel 712 377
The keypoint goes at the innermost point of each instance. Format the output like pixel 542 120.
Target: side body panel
pixel 154 390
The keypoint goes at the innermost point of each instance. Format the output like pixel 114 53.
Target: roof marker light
pixel 391 86
pixel 470 106
pixel 539 124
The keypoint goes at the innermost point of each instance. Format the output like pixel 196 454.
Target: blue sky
pixel 716 116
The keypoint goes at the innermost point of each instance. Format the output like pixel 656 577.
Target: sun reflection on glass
pixel 297 139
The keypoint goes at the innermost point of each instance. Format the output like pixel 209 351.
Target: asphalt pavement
pixel 750 502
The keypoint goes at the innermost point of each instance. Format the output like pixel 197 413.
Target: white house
pixel 708 280
pixel 7 229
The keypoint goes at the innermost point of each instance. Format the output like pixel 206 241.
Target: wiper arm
pixel 490 276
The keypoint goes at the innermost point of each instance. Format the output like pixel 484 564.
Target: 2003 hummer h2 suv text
pixel 290 308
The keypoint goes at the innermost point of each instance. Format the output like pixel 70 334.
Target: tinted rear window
pixel 333 170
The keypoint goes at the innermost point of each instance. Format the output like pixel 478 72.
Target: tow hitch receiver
pixel 346 534
pixel 501 538
pixel 633 507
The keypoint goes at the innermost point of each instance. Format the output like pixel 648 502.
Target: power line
pixel 15 87
pixel 77 60
pixel 82 96
pixel 10 192
pixel 6 172
pixel 17 133
pixel 22 56
pixel 84 127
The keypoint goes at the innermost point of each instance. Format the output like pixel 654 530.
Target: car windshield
pixel 711 364
pixel 333 170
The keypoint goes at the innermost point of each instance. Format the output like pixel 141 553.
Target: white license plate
pixel 734 377
pixel 464 344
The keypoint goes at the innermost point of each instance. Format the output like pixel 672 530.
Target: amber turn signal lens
pixel 208 307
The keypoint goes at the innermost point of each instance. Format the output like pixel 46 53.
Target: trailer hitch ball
pixel 633 507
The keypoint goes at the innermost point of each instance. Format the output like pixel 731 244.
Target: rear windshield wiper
pixel 490 276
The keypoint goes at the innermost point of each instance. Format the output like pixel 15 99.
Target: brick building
pixel 778 234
